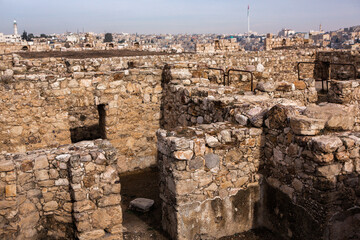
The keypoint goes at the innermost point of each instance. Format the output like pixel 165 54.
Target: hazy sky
pixel 181 16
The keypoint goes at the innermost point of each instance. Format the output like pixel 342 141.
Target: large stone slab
pixel 303 125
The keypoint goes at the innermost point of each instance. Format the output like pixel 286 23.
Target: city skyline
pixel 169 16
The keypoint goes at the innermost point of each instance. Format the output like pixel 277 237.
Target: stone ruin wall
pixel 133 93
pixel 344 92
pixel 207 191
pixel 70 192
pixel 220 45
pixel 272 42
pixel 6 48
pixel 341 56
pixel 37 112
pixel 301 181
pixel 188 105
pixel 312 171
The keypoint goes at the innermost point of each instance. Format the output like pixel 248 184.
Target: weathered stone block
pixel 111 200
pixel 85 205
pixel 212 141
pixel 183 155
pixel 326 144
pixel 101 219
pixel 184 187
pixel 199 147
pixel 26 165
pixel 142 204
pixel 61 182
pixel 330 171
pixel 212 160
pixel 6 166
pixel 95 234
pixel 303 125
pixel 196 163
pixel 41 162
pixel 10 190
pixel 50 206
pixel 41 175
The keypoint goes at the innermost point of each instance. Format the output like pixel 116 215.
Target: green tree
pixel 108 37
pixel 24 36
pixel 30 37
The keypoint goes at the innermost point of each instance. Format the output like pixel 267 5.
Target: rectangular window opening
pixel 90 132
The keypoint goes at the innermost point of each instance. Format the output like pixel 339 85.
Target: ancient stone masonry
pixel 230 159
pixel 221 45
pixel 62 193
pixel 6 48
pixel 196 101
pixel 107 95
pixel 304 163
pixel 313 178
pixel 272 42
pixel 344 92
pixel 341 56
pixel 206 189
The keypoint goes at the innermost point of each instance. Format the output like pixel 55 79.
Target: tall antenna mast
pixel 248 15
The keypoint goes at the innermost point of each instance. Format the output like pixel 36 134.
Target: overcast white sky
pixel 181 16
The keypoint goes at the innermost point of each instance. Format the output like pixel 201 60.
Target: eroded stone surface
pixel 46 200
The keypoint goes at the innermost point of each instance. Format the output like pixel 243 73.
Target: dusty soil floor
pixel 141 225
pixel 322 94
pixel 89 54
pixel 144 226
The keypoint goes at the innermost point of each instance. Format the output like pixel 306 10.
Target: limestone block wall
pixel 312 176
pixel 344 92
pixel 284 42
pixel 305 182
pixel 194 101
pixel 47 102
pixel 8 48
pixel 39 112
pixel 63 193
pixel 209 183
pixel 267 65
pixel 341 56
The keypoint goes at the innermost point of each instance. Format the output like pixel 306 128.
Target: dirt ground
pixel 138 226
pixel 89 54
pixel 147 226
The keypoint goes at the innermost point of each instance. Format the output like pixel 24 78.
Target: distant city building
pixel 286 32
pixel 72 38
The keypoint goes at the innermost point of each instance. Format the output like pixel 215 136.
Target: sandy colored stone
pixel 91 235
pixel 81 206
pixel 10 190
pixel 303 125
pixel 101 219
pixel 41 162
pixel 327 144
pixel 50 206
pixel 183 155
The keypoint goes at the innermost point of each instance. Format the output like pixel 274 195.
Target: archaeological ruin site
pixel 236 140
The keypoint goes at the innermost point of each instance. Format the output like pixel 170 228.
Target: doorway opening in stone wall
pixel 136 224
pixel 88 123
